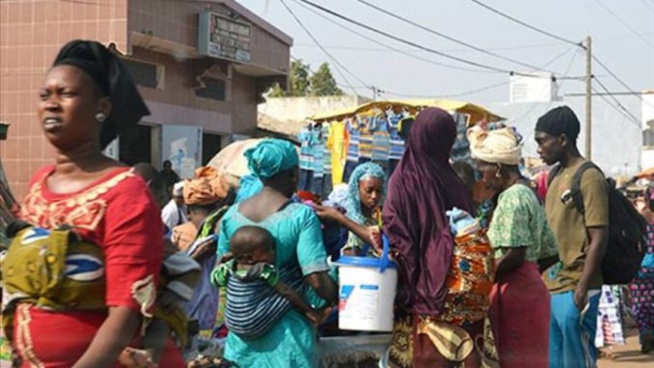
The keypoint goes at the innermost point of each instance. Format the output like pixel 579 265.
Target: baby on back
pixel 257 296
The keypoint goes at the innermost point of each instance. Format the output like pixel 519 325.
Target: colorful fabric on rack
pixel 317 151
pixel 365 139
pixel 352 127
pixel 305 150
pixel 337 144
pixel 461 148
pixel 396 142
pixel 327 152
pixel 381 142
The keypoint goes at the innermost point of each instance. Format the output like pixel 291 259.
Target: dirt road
pixel 627 356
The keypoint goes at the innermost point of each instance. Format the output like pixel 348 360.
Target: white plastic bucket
pixel 366 292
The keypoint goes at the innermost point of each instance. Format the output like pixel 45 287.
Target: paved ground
pixel 628 356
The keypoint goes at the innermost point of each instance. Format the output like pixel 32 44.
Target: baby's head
pixel 252 244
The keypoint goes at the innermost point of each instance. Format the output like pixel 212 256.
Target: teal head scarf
pixel 362 172
pixel 270 157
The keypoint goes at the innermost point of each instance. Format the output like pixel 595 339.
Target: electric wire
pixel 449 38
pixel 533 28
pixel 624 23
pixel 632 118
pixel 400 51
pixel 338 63
pixel 619 80
pixel 402 40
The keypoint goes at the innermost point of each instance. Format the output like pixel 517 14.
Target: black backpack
pixel 627 229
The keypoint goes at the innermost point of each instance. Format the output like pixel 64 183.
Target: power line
pixel 528 112
pixel 608 70
pixel 449 38
pixel 356 48
pixel 620 105
pixel 504 15
pixel 494 85
pixel 402 40
pixel 614 93
pixel 323 49
pixel 482 89
pixel 619 19
pixel 402 52
pixel 629 118
pixel 494 48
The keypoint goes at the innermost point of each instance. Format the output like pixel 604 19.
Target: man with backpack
pixel 582 236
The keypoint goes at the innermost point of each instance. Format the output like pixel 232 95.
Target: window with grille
pixel 145 74
pixel 214 89
pixel 648 138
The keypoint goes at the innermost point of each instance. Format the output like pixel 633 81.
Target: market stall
pixel 334 143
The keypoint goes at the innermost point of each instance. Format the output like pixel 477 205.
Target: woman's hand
pixel 324 286
pixel 376 236
pixel 327 213
pixel 136 358
pixel 205 249
pixel 318 317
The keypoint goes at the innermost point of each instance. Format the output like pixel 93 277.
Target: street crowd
pixel 112 265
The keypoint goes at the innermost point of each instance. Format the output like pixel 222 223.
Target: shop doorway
pixel 136 145
pixel 210 146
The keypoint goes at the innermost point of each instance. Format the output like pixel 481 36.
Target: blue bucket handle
pixel 386 248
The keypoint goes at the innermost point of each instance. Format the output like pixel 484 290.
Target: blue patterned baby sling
pixel 253 307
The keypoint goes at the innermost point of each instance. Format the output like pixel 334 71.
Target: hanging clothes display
pixel 337 143
pixel 396 142
pixel 315 159
pixel 352 128
pixel 365 139
pixel 334 146
pixel 327 162
pixel 381 142
pixel 461 148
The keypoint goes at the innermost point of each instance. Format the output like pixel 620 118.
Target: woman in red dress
pixel 87 100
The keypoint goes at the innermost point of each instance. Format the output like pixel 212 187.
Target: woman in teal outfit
pixel 298 240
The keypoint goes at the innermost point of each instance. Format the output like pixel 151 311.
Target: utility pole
pixel 375 91
pixel 589 98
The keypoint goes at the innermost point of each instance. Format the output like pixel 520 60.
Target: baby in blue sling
pixel 257 296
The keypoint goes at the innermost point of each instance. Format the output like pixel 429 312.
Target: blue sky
pixel 624 41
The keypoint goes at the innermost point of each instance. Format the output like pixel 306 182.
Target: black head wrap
pixel 113 80
pixel 560 120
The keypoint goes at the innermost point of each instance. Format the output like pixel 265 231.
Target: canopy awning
pixel 477 113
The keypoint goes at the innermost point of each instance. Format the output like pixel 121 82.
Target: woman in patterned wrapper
pixel 87 100
pixel 521 237
pixel 642 287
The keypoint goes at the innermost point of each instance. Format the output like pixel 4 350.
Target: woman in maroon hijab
pixel 422 189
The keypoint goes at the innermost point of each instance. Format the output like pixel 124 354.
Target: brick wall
pixel 31 33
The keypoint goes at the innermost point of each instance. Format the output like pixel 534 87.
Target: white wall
pixel 297 109
pixel 617 141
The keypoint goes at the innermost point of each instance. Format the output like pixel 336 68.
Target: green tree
pixel 323 82
pixel 298 82
pixel 276 91
pixel 298 79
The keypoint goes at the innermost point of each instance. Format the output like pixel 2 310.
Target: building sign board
pixel 224 38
